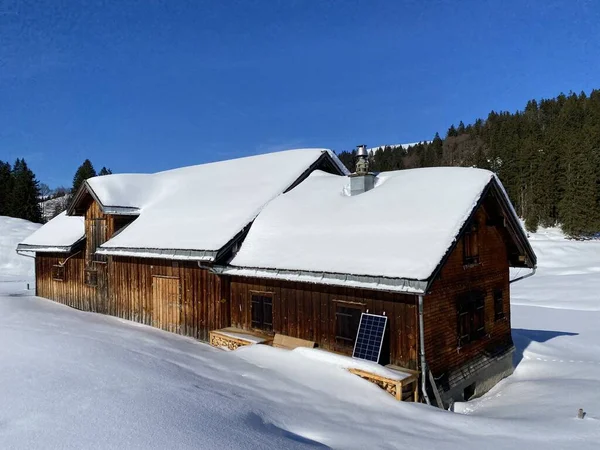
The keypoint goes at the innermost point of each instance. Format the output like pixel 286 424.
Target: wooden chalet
pixel 287 245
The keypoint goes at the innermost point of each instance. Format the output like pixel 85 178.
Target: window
pixel 91 277
pixel 58 272
pixel 262 312
pixel 347 319
pixel 471 317
pixel 498 304
pixel 470 245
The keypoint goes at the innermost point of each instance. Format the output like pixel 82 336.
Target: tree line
pixel 22 195
pixel 546 155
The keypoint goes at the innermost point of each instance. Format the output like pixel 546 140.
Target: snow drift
pixel 12 265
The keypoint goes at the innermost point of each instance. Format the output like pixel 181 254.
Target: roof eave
pixel 166 253
pixel 515 229
pixel 48 248
pixel 388 284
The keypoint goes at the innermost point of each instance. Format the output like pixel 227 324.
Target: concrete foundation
pixel 477 377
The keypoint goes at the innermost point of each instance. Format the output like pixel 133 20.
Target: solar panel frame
pixel 378 334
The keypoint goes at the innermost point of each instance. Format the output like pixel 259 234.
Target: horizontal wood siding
pixel 440 307
pixel 307 311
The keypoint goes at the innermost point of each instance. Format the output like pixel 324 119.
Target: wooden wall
pixel 203 301
pixel 440 307
pixel 307 311
pixel 71 291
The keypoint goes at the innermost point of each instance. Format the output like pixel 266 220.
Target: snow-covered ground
pixel 12 266
pixel 70 379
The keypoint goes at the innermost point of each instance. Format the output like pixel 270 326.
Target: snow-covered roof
pixel 192 212
pixel 58 235
pixel 401 229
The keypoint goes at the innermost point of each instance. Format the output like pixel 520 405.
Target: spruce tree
pixel 6 188
pixel 85 171
pixel 104 171
pixel 24 202
pixel 452 131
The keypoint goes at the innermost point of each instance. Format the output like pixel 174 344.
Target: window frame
pixel 261 324
pixel 498 295
pixel 471 244
pixel 470 313
pixel 89 275
pixel 60 276
pixel 345 341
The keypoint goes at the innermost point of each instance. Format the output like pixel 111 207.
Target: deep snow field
pixel 71 380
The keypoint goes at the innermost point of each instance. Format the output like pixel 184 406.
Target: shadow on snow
pixel 522 338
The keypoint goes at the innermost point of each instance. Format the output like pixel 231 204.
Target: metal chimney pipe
pixel 362 160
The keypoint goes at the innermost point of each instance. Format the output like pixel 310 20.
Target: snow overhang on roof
pixel 60 235
pixel 192 213
pixel 334 279
pixel 45 249
pixel 396 236
pixel 179 255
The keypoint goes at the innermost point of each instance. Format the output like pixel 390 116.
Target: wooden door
pixel 101 288
pixel 95 237
pixel 166 303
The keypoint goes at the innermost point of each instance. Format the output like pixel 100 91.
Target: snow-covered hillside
pixel 71 379
pixel 13 266
pixel 51 207
pixel 404 146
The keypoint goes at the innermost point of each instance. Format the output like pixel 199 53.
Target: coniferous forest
pixel 547 156
pixel 21 194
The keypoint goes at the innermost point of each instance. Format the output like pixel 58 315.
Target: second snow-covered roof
pixel 400 229
pixel 198 208
pixel 58 235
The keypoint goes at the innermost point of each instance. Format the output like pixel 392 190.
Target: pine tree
pixel 452 131
pixel 85 171
pixel 579 207
pixel 104 171
pixel 24 201
pixel 6 188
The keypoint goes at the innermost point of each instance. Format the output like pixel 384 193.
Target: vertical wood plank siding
pixel 307 311
pixel 134 287
pixel 440 307
pixel 186 299
pixel 72 291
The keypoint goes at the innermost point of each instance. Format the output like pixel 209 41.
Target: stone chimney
pixel 361 180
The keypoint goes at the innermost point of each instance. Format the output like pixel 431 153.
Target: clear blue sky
pixel 149 85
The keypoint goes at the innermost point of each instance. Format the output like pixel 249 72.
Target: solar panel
pixel 370 337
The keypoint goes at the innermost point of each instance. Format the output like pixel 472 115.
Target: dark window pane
pixel 498 304
pixel 58 273
pixel 262 312
pixel 471 317
pixel 471 245
pixel 347 320
pixel 91 277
